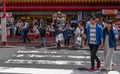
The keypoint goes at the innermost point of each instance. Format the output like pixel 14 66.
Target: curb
pixel 7 46
pixel 86 48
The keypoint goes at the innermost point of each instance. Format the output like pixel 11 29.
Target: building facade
pixel 27 9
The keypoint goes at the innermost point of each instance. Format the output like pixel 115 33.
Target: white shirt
pixel 78 31
pixel 93 34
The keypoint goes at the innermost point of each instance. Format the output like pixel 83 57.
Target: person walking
pixel 94 40
pixel 109 45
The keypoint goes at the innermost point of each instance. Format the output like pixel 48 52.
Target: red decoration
pixel 4 8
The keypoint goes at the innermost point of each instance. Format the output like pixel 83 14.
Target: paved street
pixel 49 61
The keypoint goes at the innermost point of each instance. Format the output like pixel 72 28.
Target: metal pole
pixel 3 22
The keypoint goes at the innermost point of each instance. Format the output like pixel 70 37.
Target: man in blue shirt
pixel 94 40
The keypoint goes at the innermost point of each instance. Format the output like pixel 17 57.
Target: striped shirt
pixel 93 35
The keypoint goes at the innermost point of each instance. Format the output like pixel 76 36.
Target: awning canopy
pixel 29 5
pixel 60 1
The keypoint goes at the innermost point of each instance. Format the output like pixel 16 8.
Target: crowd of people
pixel 61 32
pixel 95 33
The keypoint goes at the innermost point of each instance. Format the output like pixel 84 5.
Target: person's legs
pixel 22 34
pixel 112 66
pixel 116 44
pixel 11 32
pixel 96 58
pixel 24 37
pixel 44 42
pixel 82 43
pixel 93 51
pixel 27 36
pixel 65 41
pixel 68 42
pixel 92 56
pixel 109 57
pixel 41 41
pixel 58 45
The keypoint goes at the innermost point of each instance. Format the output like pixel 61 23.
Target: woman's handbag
pixel 84 37
pixel 78 41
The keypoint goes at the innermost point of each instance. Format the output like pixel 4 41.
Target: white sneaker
pixel 113 66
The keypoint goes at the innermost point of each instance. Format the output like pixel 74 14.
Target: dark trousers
pixel 116 44
pixel 93 52
pixel 26 37
pixel 67 42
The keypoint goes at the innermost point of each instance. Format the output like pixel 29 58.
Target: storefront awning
pixel 58 1
pixel 26 5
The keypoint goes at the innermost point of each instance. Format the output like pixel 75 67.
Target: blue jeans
pixel 43 39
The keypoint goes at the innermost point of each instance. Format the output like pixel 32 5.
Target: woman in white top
pixel 79 33
pixel 36 31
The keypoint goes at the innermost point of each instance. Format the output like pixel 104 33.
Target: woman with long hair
pixel 79 34
pixel 109 45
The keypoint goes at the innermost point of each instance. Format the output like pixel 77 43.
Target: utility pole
pixel 3 24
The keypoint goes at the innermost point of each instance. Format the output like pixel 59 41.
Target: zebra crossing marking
pixel 24 57
pixel 52 52
pixel 18 70
pixel 50 56
pixel 34 71
pixel 50 62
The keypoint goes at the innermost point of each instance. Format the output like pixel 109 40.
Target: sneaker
pixel 92 69
pixel 98 65
pixel 106 71
pixel 113 66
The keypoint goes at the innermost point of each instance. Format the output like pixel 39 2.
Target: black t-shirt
pixel 43 32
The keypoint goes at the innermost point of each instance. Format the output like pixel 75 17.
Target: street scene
pixel 59 36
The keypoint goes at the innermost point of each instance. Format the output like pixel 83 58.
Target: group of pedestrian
pixel 22 29
pixel 99 37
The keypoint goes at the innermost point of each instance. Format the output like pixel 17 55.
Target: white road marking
pixel 16 70
pixel 50 56
pixel 52 52
pixel 113 72
pixel 50 62
pixel 35 71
